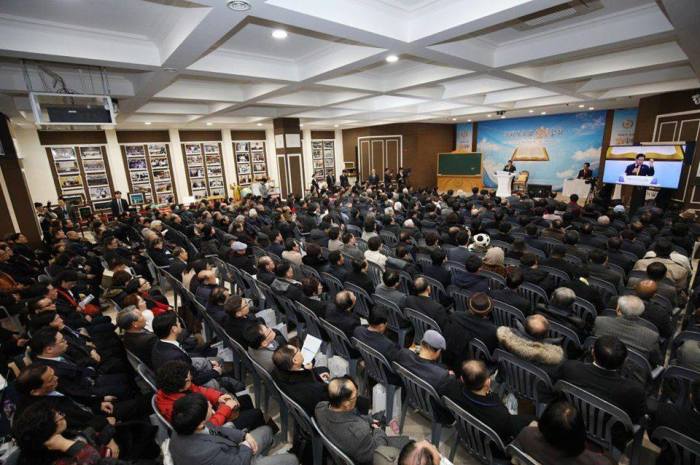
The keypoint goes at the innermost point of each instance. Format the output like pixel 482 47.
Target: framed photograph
pixel 243 158
pixel 244 168
pixel 97 179
pixel 161 174
pixel 244 179
pixel 77 198
pixel 164 187
pixel 259 157
pixel 328 144
pixel 260 176
pixel 70 182
pixel 214 171
pixel 136 164
pixel 159 163
pixel 93 165
pixel 216 183
pixel 217 192
pixel 91 153
pixel 318 164
pixel 316 154
pixel 257 145
pixel 139 177
pixel 213 159
pixel 196 172
pixel 63 153
pixel 329 161
pixel 242 146
pixel 134 151
pixel 157 149
pixel 103 205
pixel 211 148
pixel 199 185
pixel 318 174
pixel 258 167
pixel 100 193
pixel 316 144
pixel 328 153
pixel 164 198
pixel 199 194
pixel 67 167
pixel 137 198
pixel 193 149
pixel 194 159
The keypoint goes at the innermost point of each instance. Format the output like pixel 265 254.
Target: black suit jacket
pixel 439 273
pixel 176 268
pixel 303 387
pixel 140 344
pixel 77 382
pixel 165 352
pixel 586 292
pixel 461 328
pixel 429 307
pixel 115 206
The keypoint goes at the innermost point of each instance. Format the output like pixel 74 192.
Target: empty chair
pixel 421 323
pixel 478 350
pixel 423 397
pixel 405 282
pixel 377 367
pixel 685 450
pixel 570 340
pixel 395 317
pixel 522 378
pixel 477 438
pixel 506 315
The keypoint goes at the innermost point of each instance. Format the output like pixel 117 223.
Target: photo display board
pixel 251 162
pixel 323 157
pixel 204 169
pixel 81 173
pixel 149 172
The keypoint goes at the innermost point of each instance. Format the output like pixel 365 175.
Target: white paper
pixel 86 301
pixel 279 141
pixel 310 348
pixel 293 140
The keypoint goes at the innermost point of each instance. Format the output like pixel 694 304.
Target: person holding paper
pixel 305 384
pixel 638 168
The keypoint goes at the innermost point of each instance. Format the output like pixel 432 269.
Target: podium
pixel 576 186
pixel 503 178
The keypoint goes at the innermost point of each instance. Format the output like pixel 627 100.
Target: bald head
pixel 646 288
pixel 342 393
pixel 474 375
pixel 537 326
pixel 207 276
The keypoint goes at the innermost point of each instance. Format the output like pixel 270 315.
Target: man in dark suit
pixel 630 243
pixel 556 260
pixel 136 339
pixel 532 237
pixel 435 270
pixel 509 167
pixel 617 257
pixel 266 270
pixel 462 327
pixel 473 394
pixel 330 181
pixel 373 179
pixel 341 315
pixel 305 385
pixel 598 268
pixel 603 378
pixel 344 181
pixel 532 273
pixel 680 418
pixel 423 303
pixel 119 206
pixel 374 336
pixel 179 263
pixel 469 279
pixel 586 172
pixel 638 168
pixel 336 267
pixel 460 253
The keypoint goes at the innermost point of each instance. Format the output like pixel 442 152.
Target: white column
pixel 308 162
pixel 178 162
pixel 36 165
pixel 272 169
pixel 339 154
pixel 229 164
pixel 116 162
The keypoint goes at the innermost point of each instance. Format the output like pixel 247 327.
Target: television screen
pixel 644 165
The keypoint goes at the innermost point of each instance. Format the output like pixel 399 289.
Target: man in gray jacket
pixel 389 289
pixel 356 435
pixel 195 441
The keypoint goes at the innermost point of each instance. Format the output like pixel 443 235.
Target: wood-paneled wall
pixel 421 144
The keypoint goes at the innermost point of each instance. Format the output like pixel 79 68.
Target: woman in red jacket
pixel 174 380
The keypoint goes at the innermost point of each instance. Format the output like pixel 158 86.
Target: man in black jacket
pixel 435 270
pixel 532 273
pixel 474 395
pixel 118 205
pixel 136 339
pixel 556 260
pixel 509 295
pixel 304 384
pixel 423 303
pixel 341 316
pixel 266 270
pixel 179 263
pixel 462 327
pixel 616 256
pixel 336 262
pixel 598 268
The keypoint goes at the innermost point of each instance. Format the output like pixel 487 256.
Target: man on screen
pixel 638 168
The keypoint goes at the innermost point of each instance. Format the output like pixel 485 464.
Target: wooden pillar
pixel 289 156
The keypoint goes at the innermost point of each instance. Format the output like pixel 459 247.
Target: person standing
pixel 509 167
pixel 119 206
pixel 585 173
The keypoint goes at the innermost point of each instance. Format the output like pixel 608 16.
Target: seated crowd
pixel 449 288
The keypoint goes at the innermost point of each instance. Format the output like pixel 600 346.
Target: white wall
pixel 36 166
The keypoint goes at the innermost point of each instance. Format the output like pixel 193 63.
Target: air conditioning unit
pixel 52 109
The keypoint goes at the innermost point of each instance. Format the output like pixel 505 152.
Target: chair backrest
pixel 339 340
pixel 310 272
pixel 570 339
pixel 423 259
pixel 362 245
pixel 421 323
pixel 477 437
pixel 338 456
pixel 681 338
pixel 289 308
pixel 606 289
pixel 584 309
pixel 514 451
pixel 676 383
pixel 420 393
pixel 161 419
pixel 496 281
pixel 478 350
pixel 405 282
pixel 302 419
pixel 450 265
pixel 389 238
pixel 354 230
pixel 504 314
pixel 573 259
pixel 364 301
pixel 394 313
pixel 147 375
pixel 312 325
pixel 686 450
pixel 557 275
pixel 437 290
pixel 534 293
pixel 503 245
pixel 376 364
pixel 598 415
pixel 333 284
pixel 522 378
pixel 617 268
pixel 374 272
pixel 133 360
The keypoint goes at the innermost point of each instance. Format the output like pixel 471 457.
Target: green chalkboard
pixel 459 164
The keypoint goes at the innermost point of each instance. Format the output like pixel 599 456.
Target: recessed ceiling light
pixel 454 119
pixel 469 121
pixel 489 115
pixel 209 123
pixel 543 113
pixel 147 123
pixel 238 5
pixel 392 58
pixel 170 70
pixel 581 105
pixel 531 111
pixel 335 125
pixel 259 124
pixel 503 116
pixel 279 34
pixel 301 125
pixel 591 108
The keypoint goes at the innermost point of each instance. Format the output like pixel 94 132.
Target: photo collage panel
pixel 149 173
pixel 323 158
pixel 82 174
pixel 205 169
pixel 250 161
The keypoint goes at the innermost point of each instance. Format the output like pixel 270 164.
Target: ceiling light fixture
pixel 543 113
pixel 503 116
pixel 335 125
pixel 238 5
pixel 591 108
pixel 279 34
pixel 581 105
pixel 454 119
pixel 259 124
pixel 147 123
pixel 489 115
pixel 209 123
pixel 531 111
pixel 392 58
pixel 469 121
